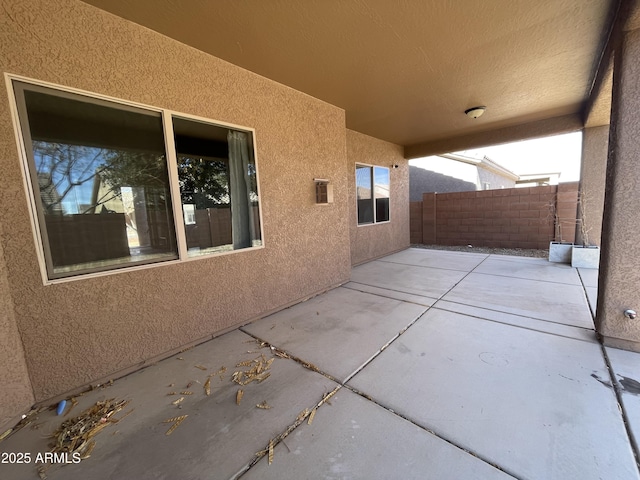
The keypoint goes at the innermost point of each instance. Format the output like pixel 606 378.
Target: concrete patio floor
pixel 442 365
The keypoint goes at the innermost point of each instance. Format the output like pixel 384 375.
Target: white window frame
pixel 373 197
pixel 179 228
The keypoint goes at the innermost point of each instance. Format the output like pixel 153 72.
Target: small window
pixel 372 194
pixel 217 176
pixel 101 179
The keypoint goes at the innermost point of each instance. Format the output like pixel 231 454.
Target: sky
pixel 560 153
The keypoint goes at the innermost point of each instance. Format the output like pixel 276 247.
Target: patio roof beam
pixel 524 131
pixel 625 17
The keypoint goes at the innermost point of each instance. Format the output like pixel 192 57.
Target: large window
pixel 372 194
pixel 109 193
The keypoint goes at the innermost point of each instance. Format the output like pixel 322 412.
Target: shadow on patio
pixel 441 365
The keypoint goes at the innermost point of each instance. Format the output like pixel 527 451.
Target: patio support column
pixel 619 283
pixel 595 141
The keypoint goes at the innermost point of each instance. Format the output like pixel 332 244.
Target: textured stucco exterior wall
pixel 15 385
pixel 495 181
pixel 595 142
pixel 619 262
pixel 372 241
pixel 76 332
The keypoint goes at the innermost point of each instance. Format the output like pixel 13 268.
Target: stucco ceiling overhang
pixel 405 71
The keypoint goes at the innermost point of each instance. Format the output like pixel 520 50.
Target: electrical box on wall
pixel 324 191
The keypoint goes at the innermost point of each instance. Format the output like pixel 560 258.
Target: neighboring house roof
pixel 551 178
pixel 464 171
pixel 483 162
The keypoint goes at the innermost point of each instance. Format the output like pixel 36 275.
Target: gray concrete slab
pixel 354 438
pixel 588 335
pixel 216 440
pixel 534 269
pixel 589 276
pixel 592 298
pixel 626 369
pixel 555 302
pixel 437 259
pixel 518 258
pixel 385 292
pixel 425 281
pixel 523 400
pixel 339 331
pixel 502 366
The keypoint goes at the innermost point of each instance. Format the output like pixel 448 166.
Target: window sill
pixel 135 268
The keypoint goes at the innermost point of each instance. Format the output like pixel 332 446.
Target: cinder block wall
pixel 506 218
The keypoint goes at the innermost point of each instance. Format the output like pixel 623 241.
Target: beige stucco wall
pixel 372 241
pixel 595 142
pixel 619 261
pixel 15 385
pixel 76 332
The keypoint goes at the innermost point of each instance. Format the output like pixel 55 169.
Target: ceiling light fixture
pixel 475 112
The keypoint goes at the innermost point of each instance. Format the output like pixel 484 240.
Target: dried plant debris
pixel 88 450
pixel 201 367
pixel 27 419
pixel 175 419
pixel 312 416
pixel 258 371
pixel 270 451
pixel 302 416
pixel 176 423
pixel 186 392
pixel 42 472
pixel 326 398
pixel 74 402
pixel 246 363
pixel 311 366
pixel 221 371
pixel 99 385
pixel 178 401
pixel 207 387
pixel 76 434
pixel 264 405
pixel 239 396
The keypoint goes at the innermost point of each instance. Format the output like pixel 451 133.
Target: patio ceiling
pixel 405 71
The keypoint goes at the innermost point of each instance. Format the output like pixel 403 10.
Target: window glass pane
pixel 364 194
pixel 100 174
pixel 218 187
pixel 382 185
